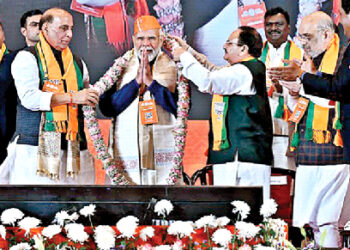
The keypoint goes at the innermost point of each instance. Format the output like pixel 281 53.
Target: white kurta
pixel 22 161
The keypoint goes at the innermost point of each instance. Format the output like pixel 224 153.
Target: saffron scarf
pixel 219 110
pixel 317 116
pixel 61 119
pixel 291 51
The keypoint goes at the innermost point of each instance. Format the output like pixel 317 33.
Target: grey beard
pixel 151 56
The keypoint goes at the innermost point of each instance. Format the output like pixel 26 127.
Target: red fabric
pixel 141 8
pixel 117 27
pixel 281 194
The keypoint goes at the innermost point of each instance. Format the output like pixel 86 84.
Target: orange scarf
pixel 63 118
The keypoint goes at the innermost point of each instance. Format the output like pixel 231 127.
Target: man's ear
pixel 244 48
pixel 23 31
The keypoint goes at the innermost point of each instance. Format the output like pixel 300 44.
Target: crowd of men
pixel 272 97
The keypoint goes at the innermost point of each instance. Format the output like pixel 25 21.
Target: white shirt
pixel 234 79
pixel 25 72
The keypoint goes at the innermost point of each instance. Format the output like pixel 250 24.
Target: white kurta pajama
pixel 280 127
pixel 21 166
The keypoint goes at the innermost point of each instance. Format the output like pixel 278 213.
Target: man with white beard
pixel 143 103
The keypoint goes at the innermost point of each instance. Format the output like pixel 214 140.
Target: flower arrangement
pixel 117 174
pixel 207 232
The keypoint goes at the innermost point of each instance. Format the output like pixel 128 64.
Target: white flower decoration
pixel 222 221
pixel 246 230
pixel 28 222
pixel 63 217
pixel 104 237
pixel 147 232
pixel 3 232
pixel 51 231
pixel 127 226
pixel 11 215
pixel 181 229
pixel 206 222
pixel 21 246
pixel 76 232
pixel 88 210
pixel 242 208
pixel 268 208
pixel 163 207
pixel 222 237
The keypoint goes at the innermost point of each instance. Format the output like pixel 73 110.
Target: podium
pixel 115 202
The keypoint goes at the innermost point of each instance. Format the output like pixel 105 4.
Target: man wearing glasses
pixel 241 128
pixel 322 175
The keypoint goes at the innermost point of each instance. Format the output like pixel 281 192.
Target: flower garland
pixel 179 132
pixel 169 16
pixel 118 175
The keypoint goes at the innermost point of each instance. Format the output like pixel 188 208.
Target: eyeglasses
pixel 230 43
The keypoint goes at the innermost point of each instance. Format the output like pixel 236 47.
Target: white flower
pixel 51 231
pixel 147 232
pixel 28 222
pixel 76 232
pixel 246 230
pixel 11 215
pixel 181 229
pixel 3 232
pixel 163 207
pixel 222 237
pixel 21 246
pixel 127 226
pixel 222 221
pixel 163 247
pixel 278 226
pixel 242 208
pixel 206 221
pixel 62 217
pixel 104 237
pixel 88 210
pixel 268 208
pixel 73 217
pixel 261 247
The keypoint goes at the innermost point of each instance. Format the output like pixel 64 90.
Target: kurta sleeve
pixel 164 97
pixel 113 102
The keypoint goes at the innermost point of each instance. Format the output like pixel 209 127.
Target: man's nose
pixel 146 42
pixel 69 33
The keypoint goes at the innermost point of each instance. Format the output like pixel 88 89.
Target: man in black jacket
pixel 8 94
pixel 335 87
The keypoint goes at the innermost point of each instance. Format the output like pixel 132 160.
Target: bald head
pixel 49 15
pixel 316 31
pixel 57 27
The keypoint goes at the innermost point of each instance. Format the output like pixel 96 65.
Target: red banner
pixel 252 15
